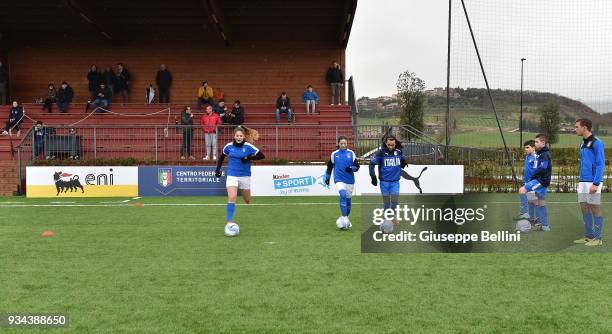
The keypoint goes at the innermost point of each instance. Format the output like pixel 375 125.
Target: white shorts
pixel 585 197
pixel 344 186
pixel 531 196
pixel 242 182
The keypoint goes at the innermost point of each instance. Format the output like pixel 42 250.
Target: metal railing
pixel 158 143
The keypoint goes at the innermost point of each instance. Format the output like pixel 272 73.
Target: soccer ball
pixel 523 225
pixel 231 230
pixel 343 223
pixel 387 227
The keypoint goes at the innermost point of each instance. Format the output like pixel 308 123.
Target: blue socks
pixel 598 227
pixel 349 203
pixel 532 210
pixel 524 204
pixel 542 214
pixel 587 218
pixel 231 207
pixel 343 203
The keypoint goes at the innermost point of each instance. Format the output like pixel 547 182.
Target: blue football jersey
pixel 341 159
pixel 235 165
pixel 530 161
pixel 389 164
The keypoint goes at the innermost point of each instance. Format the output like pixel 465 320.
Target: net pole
pixel 484 74
pixel 448 57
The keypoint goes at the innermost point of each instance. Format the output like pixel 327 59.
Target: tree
pixel 550 121
pixel 411 100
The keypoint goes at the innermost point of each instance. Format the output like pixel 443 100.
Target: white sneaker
pixel 206 158
pixel 215 157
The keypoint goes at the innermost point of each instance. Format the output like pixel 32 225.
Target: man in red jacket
pixel 209 122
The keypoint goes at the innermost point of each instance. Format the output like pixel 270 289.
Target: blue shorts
pixel 389 188
pixel 535 186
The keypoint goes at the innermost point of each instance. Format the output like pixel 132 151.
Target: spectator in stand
pixel 94 77
pixel 310 98
pixel 164 81
pixel 40 132
pixel 235 116
pixel 64 97
pixel 220 108
pixel 121 82
pixel 283 106
pixel 108 76
pixel 3 83
pixel 102 99
pixel 219 94
pixel 14 120
pixel 205 95
pixel 187 122
pixel 209 122
pixel 335 79
pixel 50 97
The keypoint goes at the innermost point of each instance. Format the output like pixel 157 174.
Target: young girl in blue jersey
pixel 240 152
pixel 343 163
pixel 390 160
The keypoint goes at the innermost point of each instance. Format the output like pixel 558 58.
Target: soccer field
pixel 166 267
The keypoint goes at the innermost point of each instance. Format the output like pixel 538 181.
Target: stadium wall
pixel 254 73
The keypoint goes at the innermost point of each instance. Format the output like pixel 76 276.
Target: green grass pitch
pixel 165 267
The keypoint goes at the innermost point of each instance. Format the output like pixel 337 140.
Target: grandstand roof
pixel 214 22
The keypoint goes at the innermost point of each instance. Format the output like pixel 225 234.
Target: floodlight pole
pixel 448 55
pixel 484 75
pixel 521 117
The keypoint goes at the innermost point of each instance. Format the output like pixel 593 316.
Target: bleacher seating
pixel 310 137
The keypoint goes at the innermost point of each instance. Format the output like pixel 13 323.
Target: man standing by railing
pixel 209 122
pixel 187 122
pixel 592 166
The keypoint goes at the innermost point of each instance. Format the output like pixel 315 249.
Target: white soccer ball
pixel 523 225
pixel 387 227
pixel 342 223
pixel 232 230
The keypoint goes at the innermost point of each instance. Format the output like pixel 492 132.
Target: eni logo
pixel 102 179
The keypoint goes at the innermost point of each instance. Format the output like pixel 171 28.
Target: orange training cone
pixel 48 233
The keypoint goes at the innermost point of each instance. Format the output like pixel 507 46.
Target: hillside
pixel 474 102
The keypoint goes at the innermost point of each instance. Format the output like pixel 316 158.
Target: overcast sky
pixel 568 46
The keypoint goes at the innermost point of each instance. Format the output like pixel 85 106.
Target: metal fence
pixel 160 143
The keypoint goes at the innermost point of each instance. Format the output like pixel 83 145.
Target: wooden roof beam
pixel 87 15
pixel 218 20
pixel 347 22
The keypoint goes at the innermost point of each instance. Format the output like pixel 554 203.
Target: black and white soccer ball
pixel 387 227
pixel 523 225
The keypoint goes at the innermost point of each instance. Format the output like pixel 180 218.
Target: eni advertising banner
pixel 180 181
pixel 81 181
